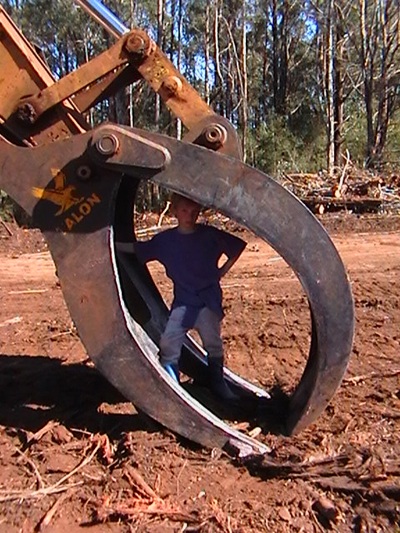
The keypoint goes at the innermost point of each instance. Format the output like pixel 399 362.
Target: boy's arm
pixel 145 251
pixel 231 261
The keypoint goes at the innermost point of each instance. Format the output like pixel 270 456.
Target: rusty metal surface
pixel 113 58
pixel 21 113
pixel 22 72
pixel 273 213
pixel 71 184
pixel 179 96
pixel 76 217
pixel 106 87
pixel 136 47
pixel 79 232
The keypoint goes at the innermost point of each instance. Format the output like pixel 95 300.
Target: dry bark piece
pixel 137 481
pixel 326 508
pixel 61 435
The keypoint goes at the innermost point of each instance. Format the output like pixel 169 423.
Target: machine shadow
pixel 37 389
pixel 268 414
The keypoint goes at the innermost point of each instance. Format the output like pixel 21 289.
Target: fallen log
pixel 327 204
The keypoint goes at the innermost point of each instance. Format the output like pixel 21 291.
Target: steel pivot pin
pixel 215 134
pixel 107 145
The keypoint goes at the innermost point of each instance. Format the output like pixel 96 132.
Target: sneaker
pixel 218 384
pixel 172 370
pixel 221 389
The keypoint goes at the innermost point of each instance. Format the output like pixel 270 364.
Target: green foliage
pixel 64 33
pixel 287 116
pixel 276 148
pixel 393 145
pixel 11 211
pixel 355 134
pixel 6 206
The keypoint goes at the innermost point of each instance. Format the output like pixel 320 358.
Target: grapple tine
pixel 273 213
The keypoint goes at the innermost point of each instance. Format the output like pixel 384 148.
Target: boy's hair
pixel 176 199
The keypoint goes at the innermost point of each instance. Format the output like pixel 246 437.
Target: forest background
pixel 310 85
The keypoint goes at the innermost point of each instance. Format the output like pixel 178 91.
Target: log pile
pixel 356 191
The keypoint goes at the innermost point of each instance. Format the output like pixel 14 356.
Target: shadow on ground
pixel 37 389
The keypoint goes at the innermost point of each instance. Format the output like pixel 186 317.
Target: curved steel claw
pixel 273 213
pixel 118 311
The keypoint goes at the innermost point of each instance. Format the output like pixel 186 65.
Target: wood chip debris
pixel 355 190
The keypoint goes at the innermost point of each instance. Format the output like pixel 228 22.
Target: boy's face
pixel 187 212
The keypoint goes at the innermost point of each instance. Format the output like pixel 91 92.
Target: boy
pixel 190 254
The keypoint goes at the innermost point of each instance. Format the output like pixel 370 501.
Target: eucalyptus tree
pixel 329 53
pixel 373 27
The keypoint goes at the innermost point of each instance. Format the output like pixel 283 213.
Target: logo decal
pixel 64 196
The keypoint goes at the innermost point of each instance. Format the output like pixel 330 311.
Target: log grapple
pixel 79 186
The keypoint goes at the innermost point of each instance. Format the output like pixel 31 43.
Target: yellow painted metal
pixel 23 73
pixel 29 80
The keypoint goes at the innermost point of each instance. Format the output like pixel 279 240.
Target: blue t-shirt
pixel 191 261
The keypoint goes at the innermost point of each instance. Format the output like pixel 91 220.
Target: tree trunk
pixel 275 53
pixel 367 75
pixel 338 94
pixel 382 119
pixel 244 80
pixel 160 30
pixel 207 55
pixel 179 52
pixel 330 87
pixel 265 64
pixel 279 55
pixel 218 75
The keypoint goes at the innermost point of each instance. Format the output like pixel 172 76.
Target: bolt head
pixel 27 113
pixel 107 145
pixel 135 44
pixel 84 172
pixel 172 84
pixel 215 134
pixel 139 44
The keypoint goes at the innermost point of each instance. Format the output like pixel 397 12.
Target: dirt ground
pixel 76 456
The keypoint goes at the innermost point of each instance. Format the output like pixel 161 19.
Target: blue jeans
pixel 208 326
